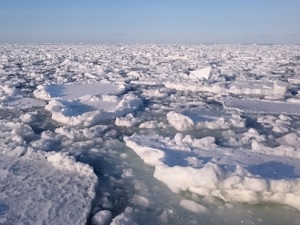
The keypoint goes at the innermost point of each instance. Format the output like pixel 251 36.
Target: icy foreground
pixel 43 188
pixel 147 134
pixel 203 168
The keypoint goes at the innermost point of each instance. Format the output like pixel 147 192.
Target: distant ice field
pixel 149 134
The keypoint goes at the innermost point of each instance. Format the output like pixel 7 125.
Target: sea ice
pixel 248 87
pixel 193 206
pixel 25 103
pixel 10 97
pixel 52 188
pixel 262 106
pixel 124 218
pixel 140 200
pixel 231 175
pixel 203 119
pixel 87 104
pixel 219 152
pixel 213 88
pixel 202 73
pixel 77 91
pixel 103 217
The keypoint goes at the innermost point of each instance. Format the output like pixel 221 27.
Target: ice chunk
pixel 218 172
pixel 27 117
pixel 199 119
pixel 151 124
pixel 11 97
pixel 127 173
pixel 251 88
pixel 179 121
pixel 263 88
pixel 140 200
pixel 87 104
pixel 25 103
pixel 88 113
pixel 191 86
pixel 127 121
pixel 148 154
pixel 193 206
pixel 262 106
pixel 202 73
pixel 291 139
pixel 280 87
pixel 103 217
pixel 292 151
pixel 124 218
pixel 65 162
pixel 76 91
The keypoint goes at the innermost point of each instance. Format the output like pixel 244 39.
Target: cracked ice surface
pixel 172 134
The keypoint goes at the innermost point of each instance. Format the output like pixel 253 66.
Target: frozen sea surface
pixel 149 134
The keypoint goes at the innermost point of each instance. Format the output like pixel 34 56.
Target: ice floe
pixel 10 97
pixel 229 174
pixel 102 217
pixel 87 104
pixel 262 106
pixel 204 119
pixel 201 74
pixel 77 91
pixel 218 125
pixel 52 187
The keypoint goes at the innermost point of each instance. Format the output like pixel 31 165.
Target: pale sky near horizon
pixel 151 21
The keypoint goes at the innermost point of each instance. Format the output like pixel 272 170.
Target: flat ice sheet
pixel 25 103
pixel 87 104
pixel 70 92
pixel 251 88
pixel 262 106
pixel 44 188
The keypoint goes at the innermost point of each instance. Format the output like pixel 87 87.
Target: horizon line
pixel 137 43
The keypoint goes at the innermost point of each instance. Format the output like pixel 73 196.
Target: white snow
pixel 262 106
pixel 76 91
pixel 127 121
pixel 193 206
pixel 191 86
pixel 124 218
pixel 202 73
pixel 217 126
pixel 10 97
pixel 35 189
pixel 140 200
pixel 251 88
pixel 179 121
pixel 201 119
pixel 209 170
pixel 26 103
pixel 102 217
pixel 280 87
pixel 87 104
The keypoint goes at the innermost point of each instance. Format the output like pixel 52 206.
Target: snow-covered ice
pixel 201 74
pixel 77 91
pixel 204 168
pixel 263 106
pixel 44 188
pixel 149 134
pixel 192 206
pixel 87 104
pixel 204 119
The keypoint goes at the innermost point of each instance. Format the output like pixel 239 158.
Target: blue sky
pixel 151 21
